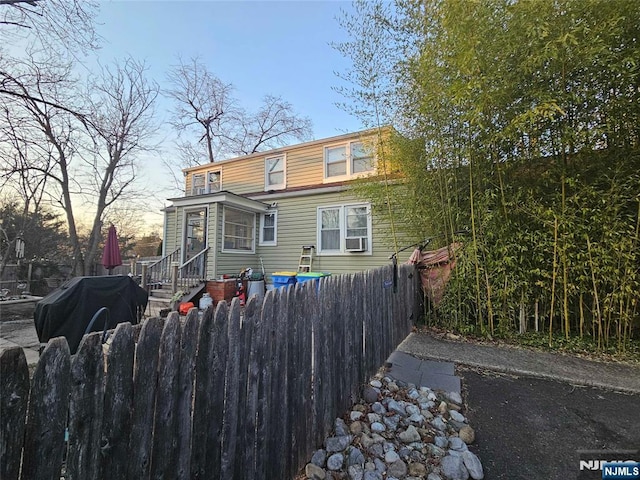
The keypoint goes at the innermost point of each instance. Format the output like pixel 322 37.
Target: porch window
pixel 238 231
pixel 344 229
pixel 268 230
pixel 275 173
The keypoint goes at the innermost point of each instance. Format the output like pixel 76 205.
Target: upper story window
pixel 214 181
pixel 209 182
pixel 347 160
pixel 275 173
pixel 197 184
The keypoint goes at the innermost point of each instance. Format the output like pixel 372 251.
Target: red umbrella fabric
pixel 111 254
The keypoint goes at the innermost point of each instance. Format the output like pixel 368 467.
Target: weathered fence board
pixel 264 389
pixel 118 394
pixel 14 395
pixel 244 423
pixel 165 425
pixel 228 396
pixel 280 401
pixel 86 408
pixel 203 388
pixel 253 318
pixel 47 413
pixel 188 345
pixel 145 382
pixel 232 400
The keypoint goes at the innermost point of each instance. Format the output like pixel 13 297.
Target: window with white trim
pixel 269 228
pixel 238 230
pixel 347 160
pixel 209 182
pixel 275 173
pixel 197 184
pixel 344 229
pixel 361 158
pixel 214 181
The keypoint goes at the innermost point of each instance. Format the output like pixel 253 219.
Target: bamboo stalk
pixel 553 277
pixel 581 315
pixel 595 294
pixel 475 246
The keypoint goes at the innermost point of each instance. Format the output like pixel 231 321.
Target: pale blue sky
pixel 261 47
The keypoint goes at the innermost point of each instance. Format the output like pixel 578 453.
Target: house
pixel 266 206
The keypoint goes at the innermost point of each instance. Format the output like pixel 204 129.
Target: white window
pixel 275 173
pixel 268 228
pixel 210 182
pixel 214 181
pixel 336 161
pixel 347 160
pixel 238 231
pixel 361 158
pixel 344 229
pixel 197 184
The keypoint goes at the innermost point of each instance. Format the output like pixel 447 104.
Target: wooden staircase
pixel 166 277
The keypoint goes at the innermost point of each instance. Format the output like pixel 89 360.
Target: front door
pixel 195 233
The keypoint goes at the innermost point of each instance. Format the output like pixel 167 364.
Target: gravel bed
pixel 401 432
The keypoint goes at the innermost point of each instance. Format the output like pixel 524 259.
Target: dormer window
pixel 214 181
pixel 275 173
pixel 345 161
pixel 209 182
pixel 198 184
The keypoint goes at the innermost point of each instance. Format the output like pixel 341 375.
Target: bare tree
pixel 209 119
pixel 48 29
pixel 121 106
pixel 93 154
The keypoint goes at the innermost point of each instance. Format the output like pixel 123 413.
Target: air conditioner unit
pixel 356 244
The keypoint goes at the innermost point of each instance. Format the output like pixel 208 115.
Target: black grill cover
pixel 68 310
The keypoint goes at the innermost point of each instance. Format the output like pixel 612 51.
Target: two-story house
pixel 261 209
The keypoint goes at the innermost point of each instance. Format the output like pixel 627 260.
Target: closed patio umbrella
pixel 111 254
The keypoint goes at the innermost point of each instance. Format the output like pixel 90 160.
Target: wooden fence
pixel 243 396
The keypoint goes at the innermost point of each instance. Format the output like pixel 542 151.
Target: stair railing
pixel 160 272
pixel 193 271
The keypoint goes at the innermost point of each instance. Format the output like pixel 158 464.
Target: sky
pixel 279 48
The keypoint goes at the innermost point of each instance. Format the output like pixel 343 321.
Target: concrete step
pixel 163 300
pixel 161 293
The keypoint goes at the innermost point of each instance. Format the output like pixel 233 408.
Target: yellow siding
pixel 304 166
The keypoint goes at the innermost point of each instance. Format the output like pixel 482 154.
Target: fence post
pixel 145 266
pixel 174 276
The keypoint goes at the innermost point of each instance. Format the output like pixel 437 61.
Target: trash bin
pixel 306 276
pixel 256 287
pixel 282 279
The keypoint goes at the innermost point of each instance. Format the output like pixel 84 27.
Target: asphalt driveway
pixel 535 412
pixel 528 428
